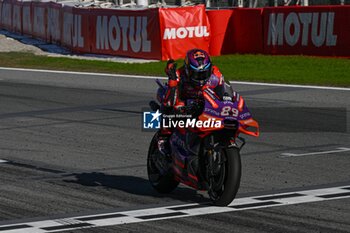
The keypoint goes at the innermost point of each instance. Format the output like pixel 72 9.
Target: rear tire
pixel 232 178
pixel 161 181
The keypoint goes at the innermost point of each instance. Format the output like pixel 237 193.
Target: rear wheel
pixel 159 169
pixel 225 184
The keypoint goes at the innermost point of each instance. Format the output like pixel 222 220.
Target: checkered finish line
pixel 178 211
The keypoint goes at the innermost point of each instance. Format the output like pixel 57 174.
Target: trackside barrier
pixel 75 29
pixel 17 17
pixel 54 23
pixel 0 13
pixel 307 30
pixel 39 28
pixel 169 32
pixel 323 30
pixel 6 15
pixel 140 33
pixel 27 18
pixel 236 31
pixel 132 33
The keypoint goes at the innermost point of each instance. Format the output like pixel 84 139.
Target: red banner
pixel 76 32
pixel 248 30
pixel 132 33
pixel 221 29
pixel 81 31
pixel 182 29
pixel 67 26
pixel 235 31
pixel 307 30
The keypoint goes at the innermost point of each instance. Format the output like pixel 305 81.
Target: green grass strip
pixel 257 68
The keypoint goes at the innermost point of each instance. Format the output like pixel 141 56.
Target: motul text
pixel 185 32
pixel 119 32
pixel 72 30
pixel 296 26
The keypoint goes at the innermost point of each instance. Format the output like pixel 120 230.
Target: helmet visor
pixel 200 77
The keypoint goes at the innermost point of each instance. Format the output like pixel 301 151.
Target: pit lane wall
pixel 163 33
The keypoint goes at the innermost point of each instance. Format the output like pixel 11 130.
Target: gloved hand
pixel 195 108
pixel 170 69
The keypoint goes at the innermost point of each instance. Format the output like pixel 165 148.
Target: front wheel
pixel 226 183
pixel 160 173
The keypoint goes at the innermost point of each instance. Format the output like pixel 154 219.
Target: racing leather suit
pixel 184 98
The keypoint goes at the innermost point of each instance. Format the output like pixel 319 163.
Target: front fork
pixel 234 143
pixel 215 160
pixel 215 172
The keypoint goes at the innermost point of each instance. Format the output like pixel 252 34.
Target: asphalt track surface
pixel 71 145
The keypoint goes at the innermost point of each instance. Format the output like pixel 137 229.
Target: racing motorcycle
pixel 204 158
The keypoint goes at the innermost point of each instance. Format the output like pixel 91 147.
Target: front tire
pixel 163 181
pixel 224 195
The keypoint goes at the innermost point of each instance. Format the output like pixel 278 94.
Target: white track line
pixel 292 85
pixel 3 161
pixel 178 211
pixel 339 150
pixel 82 73
pixel 163 78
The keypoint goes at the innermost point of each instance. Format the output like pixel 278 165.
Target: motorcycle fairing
pixel 212 110
pixel 185 150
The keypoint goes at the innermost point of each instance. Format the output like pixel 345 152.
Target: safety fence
pixel 163 33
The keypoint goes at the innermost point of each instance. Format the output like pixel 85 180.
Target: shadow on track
pixel 133 185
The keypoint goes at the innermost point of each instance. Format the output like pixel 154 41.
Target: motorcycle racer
pixel 184 94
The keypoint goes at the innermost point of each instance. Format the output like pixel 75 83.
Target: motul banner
pixel 169 32
pixel 182 29
pixel 132 33
pixel 307 30
pixel 67 26
pixel 82 33
pixel 76 33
